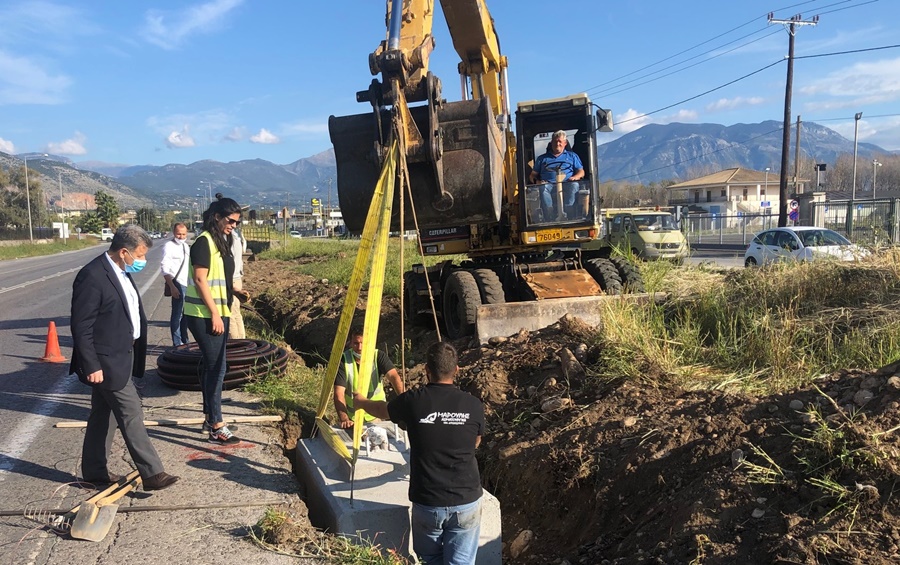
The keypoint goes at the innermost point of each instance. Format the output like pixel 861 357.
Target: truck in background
pixel 106 234
pixel 648 233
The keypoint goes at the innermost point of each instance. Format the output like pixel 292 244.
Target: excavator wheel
pixel 490 286
pixel 630 275
pixel 461 301
pixel 605 273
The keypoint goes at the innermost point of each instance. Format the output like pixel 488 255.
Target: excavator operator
pixel 556 160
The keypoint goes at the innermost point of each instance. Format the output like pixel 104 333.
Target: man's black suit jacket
pixel 101 327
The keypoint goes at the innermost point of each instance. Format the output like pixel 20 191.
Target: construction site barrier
pixel 245 359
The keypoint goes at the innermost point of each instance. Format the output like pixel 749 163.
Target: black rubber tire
pixel 460 304
pixel 750 262
pixel 605 273
pixel 632 281
pixel 489 286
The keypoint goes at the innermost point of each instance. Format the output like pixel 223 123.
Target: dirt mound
pixel 594 471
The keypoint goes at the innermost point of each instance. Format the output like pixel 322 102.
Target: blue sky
pixel 181 81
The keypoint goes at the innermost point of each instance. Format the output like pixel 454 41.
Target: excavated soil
pixel 590 471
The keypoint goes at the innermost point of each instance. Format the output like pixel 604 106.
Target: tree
pixel 146 218
pixel 90 223
pixel 107 210
pixel 14 199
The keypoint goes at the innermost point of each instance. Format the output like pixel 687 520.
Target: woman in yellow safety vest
pixel 206 301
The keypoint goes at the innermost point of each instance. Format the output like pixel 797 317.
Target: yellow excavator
pixel 467 174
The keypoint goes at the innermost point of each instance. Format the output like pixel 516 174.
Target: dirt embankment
pixel 591 471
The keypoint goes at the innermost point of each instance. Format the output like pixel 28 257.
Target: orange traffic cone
pixel 52 353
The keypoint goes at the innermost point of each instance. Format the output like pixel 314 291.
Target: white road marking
pixel 19 440
pixel 42 279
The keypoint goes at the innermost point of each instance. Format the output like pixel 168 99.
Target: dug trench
pixel 618 471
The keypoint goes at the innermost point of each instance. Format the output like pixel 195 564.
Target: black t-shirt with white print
pixel 442 423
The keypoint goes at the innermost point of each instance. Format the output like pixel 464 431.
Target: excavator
pixel 467 173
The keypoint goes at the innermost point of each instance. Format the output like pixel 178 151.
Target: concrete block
pixel 380 509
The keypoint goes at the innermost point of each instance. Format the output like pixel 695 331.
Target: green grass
pixel 759 330
pixel 333 259
pixel 39 249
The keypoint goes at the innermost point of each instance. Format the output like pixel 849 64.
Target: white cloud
pixel 315 127
pixel 180 139
pixel 25 81
pixel 236 134
pixel 49 25
pixel 732 103
pixel 884 132
pixel 7 146
pixel 71 146
pixel 171 29
pixel 631 120
pixel 855 86
pixel 265 136
pixel 209 127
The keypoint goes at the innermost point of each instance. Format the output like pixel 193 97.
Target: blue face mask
pixel 135 267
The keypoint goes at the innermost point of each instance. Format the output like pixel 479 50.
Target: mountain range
pixel 652 153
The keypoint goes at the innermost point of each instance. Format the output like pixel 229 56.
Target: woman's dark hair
pixel 217 210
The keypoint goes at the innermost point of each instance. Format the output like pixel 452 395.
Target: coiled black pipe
pixel 245 359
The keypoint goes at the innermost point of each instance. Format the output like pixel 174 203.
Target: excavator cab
pixel 549 204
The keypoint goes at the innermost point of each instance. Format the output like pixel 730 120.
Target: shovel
pixel 94 517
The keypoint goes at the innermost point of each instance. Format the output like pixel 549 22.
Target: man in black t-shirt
pixel 445 426
pixel 347 375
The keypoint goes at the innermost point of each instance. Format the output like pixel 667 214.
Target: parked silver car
pixel 800 243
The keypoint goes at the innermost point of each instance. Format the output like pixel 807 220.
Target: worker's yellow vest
pixel 376 391
pixel 193 304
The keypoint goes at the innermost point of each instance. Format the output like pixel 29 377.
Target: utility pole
pixel 62 210
pixel 786 141
pixel 797 157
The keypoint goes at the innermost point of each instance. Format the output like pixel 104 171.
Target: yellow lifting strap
pixel 372 249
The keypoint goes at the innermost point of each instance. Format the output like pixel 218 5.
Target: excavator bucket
pixel 494 320
pixel 469 156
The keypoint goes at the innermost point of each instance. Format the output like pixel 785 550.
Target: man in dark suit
pixel 109 330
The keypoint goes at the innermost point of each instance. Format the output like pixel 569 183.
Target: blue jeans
pixel 548 194
pixel 212 375
pixel 446 535
pixel 178 321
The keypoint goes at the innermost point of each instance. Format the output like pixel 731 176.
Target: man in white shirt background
pixel 174 268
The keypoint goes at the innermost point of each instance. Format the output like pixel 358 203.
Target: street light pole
pixel 875 165
pixel 28 200
pixel 62 210
pixel 767 181
pixel 855 151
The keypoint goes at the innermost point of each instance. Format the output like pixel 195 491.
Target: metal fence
pixel 725 229
pixel 22 234
pixel 865 222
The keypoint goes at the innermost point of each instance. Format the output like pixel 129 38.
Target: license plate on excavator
pixel 545 236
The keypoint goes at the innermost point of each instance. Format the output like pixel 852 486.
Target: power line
pixel 675 71
pixel 751 21
pixel 703 93
pixel 851 117
pixel 848 52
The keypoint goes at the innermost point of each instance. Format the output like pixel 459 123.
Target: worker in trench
pixel 347 375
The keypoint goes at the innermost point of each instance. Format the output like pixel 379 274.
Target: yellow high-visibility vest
pixel 376 391
pixel 193 304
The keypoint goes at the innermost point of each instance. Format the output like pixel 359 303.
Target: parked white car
pixel 800 243
pixel 296 234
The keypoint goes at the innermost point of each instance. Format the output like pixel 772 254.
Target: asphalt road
pixel 39 462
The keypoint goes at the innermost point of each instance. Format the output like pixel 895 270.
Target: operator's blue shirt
pixel 568 162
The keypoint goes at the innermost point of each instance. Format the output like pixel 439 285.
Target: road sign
pixel 794 204
pixel 765 204
pixel 794 215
